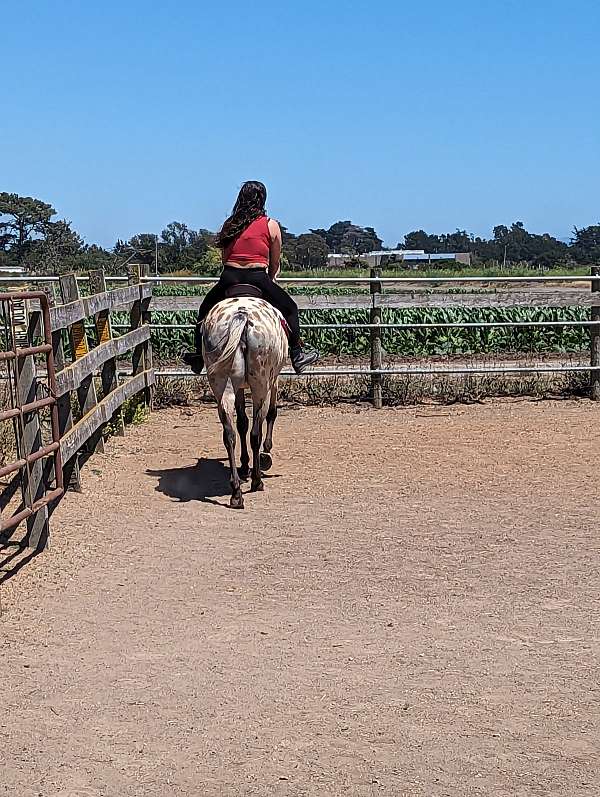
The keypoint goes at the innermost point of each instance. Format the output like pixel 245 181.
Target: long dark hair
pixel 249 205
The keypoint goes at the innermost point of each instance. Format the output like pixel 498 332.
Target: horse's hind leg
pixel 226 410
pixel 266 461
pixel 258 418
pixel 242 427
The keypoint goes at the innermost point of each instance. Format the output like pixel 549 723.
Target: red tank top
pixel 251 246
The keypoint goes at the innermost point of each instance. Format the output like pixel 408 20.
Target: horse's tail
pixel 237 327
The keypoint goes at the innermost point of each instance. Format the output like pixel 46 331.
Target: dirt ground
pixel 411 608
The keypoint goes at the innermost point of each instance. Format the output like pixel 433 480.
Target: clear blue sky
pixel 434 114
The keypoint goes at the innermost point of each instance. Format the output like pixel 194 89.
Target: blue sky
pixel 395 114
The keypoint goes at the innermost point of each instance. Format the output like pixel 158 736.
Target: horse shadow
pixel 207 480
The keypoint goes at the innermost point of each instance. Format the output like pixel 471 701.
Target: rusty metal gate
pixel 26 334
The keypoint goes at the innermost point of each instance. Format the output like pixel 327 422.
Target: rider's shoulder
pixel 274 227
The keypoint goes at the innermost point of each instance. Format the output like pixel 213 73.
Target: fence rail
pixel 85 391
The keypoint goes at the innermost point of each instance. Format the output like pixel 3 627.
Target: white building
pixel 411 257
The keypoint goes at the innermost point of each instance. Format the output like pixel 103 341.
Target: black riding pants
pixel 270 290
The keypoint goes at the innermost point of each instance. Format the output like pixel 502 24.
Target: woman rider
pixel 250 243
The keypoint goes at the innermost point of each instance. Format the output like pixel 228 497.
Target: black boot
pixel 301 358
pixel 195 361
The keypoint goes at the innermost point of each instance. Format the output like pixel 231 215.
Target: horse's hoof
pixel 257 486
pixel 236 502
pixel 266 461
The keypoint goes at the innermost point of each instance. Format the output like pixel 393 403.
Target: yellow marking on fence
pixel 103 327
pixel 20 312
pixel 79 340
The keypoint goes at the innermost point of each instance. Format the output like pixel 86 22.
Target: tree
pixel 20 218
pixel 585 244
pixel 521 245
pixel 374 241
pixel 458 241
pixel 144 244
pixel 57 251
pixel 419 239
pixel 94 257
pixel 289 242
pixel 517 243
pixel 348 238
pixel 311 251
pixel 183 247
pixel 210 264
pixel 335 234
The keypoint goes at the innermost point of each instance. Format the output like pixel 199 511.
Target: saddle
pixel 243 290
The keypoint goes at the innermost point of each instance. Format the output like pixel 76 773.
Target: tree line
pixel 30 236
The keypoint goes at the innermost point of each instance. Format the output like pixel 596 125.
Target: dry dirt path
pixel 411 608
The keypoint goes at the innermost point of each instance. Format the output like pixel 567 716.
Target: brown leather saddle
pixel 243 290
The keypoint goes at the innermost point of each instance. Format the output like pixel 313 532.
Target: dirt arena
pixel 411 608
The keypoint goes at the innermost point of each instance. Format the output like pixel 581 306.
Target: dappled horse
pixel 245 346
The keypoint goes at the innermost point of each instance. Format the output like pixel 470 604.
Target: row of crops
pixel 169 343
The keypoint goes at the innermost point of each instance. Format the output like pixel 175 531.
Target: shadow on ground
pixel 209 478
pixel 206 480
pixel 14 550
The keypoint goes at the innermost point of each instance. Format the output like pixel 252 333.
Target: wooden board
pixel 86 388
pixel 191 303
pixel 538 298
pixel 76 437
pixel 64 315
pixel 71 377
pixel 534 298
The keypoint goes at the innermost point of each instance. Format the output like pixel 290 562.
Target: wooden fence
pixel 426 293
pixel 86 387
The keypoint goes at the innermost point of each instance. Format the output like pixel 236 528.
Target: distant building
pixel 412 258
pixel 12 270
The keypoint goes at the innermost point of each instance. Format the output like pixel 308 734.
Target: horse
pixel 245 345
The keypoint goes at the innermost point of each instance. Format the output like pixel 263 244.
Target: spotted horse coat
pixel 245 346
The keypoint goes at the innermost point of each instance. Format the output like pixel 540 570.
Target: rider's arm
pixel 275 249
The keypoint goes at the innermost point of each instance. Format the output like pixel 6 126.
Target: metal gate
pixel 26 334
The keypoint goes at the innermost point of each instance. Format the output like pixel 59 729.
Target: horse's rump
pixel 247 329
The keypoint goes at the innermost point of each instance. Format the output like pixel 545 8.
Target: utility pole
pixel 156 255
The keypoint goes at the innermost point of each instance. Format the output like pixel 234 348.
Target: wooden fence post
pixel 139 315
pixel 86 392
pixel 72 479
pixel 376 350
pixel 109 372
pixel 32 482
pixel 595 339
pixel 147 319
